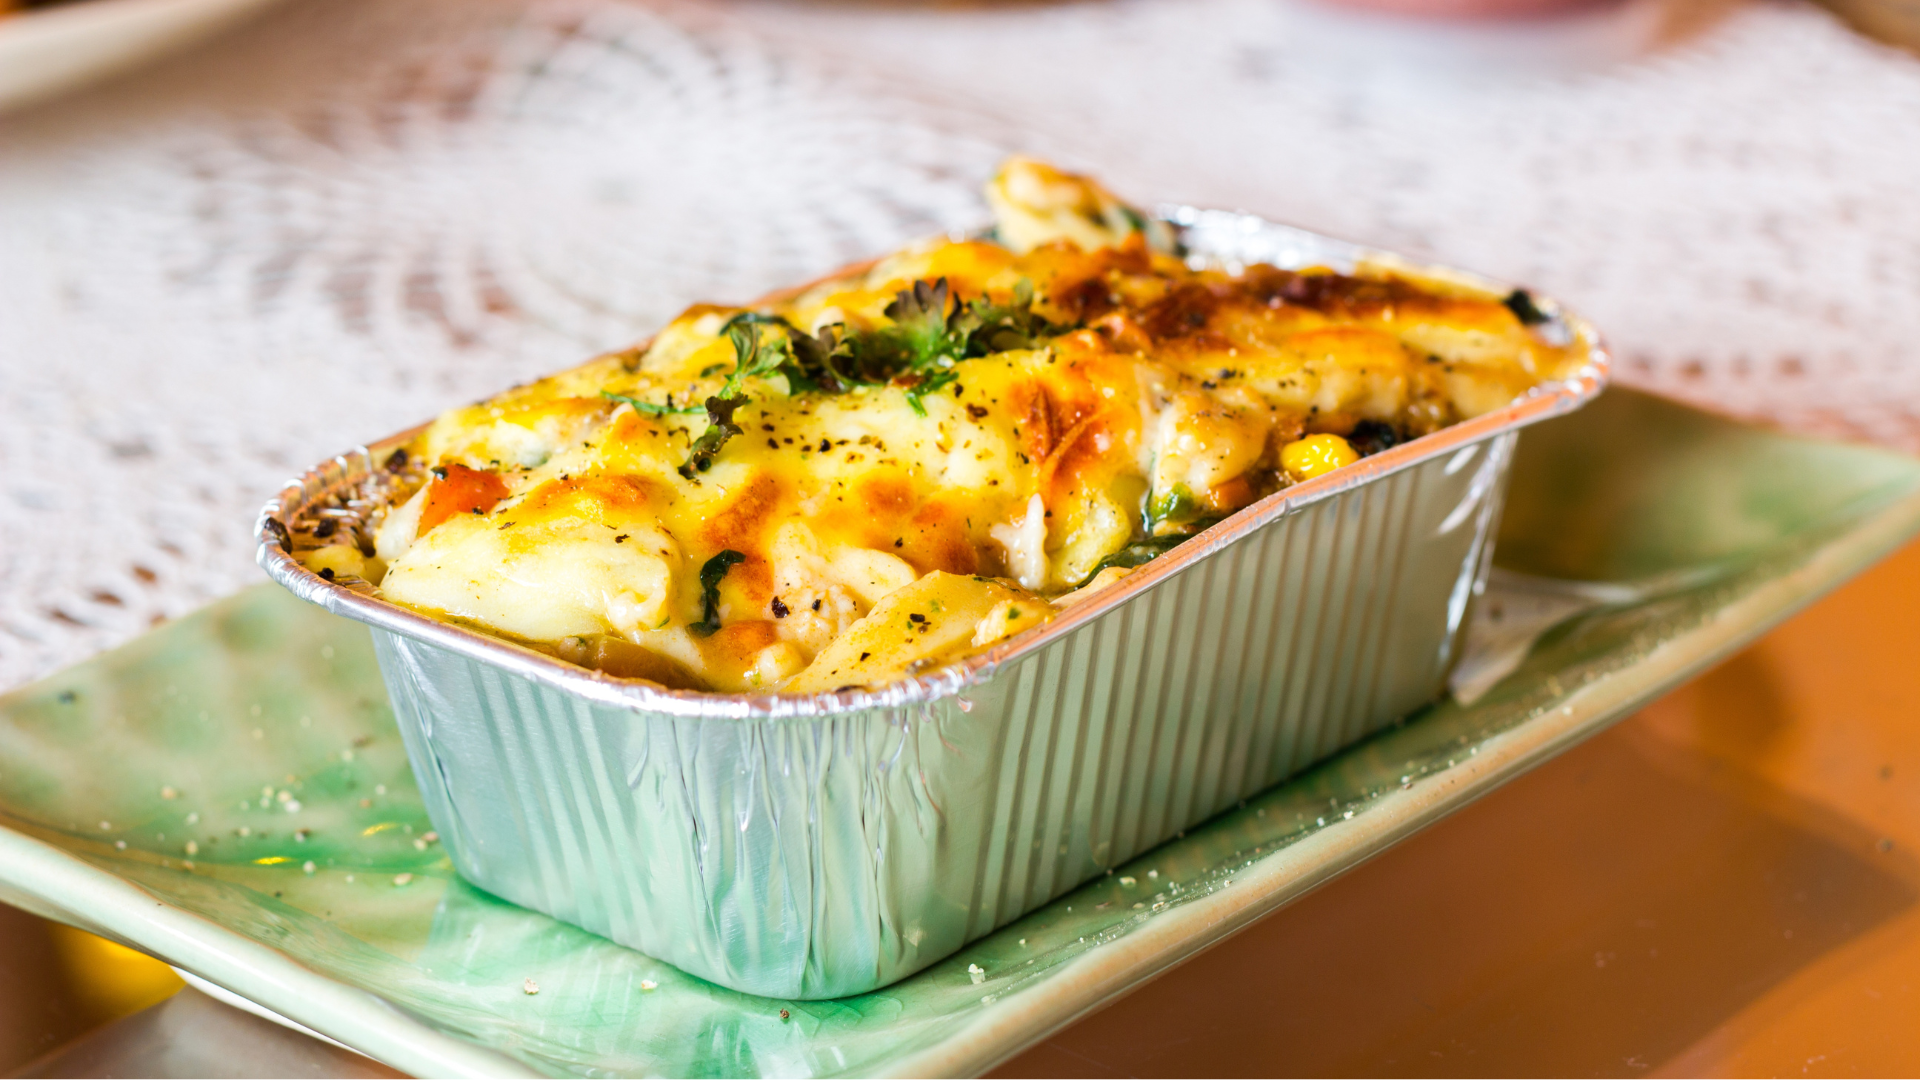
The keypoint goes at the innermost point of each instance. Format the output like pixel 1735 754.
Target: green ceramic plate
pixel 229 793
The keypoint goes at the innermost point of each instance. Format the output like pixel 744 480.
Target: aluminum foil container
pixel 819 846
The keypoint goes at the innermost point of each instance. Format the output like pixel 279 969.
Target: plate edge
pixel 66 888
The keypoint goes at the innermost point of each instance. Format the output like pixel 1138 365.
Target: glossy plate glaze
pixel 1645 539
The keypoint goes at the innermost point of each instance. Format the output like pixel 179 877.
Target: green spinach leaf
pixel 712 572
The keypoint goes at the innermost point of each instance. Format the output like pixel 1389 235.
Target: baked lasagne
pixel 917 458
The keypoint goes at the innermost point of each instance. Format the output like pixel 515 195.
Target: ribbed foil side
pixel 819 856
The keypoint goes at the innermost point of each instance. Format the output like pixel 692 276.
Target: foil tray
pixel 824 845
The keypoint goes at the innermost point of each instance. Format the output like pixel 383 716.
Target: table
pixel 1723 884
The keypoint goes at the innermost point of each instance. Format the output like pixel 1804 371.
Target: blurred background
pixel 239 235
pixel 61 982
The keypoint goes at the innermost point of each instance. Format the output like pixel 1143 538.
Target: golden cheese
pixel 913 460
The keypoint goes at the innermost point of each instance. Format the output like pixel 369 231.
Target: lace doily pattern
pixel 1724 190
pixel 208 292
pixel 345 218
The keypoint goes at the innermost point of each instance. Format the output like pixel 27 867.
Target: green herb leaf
pixel 720 428
pixel 929 384
pixel 1138 553
pixel 754 355
pixel 649 408
pixel 1174 509
pixel 712 572
pixel 915 339
pixel 920 315
pixel 822 361
pixel 988 328
pixel 928 334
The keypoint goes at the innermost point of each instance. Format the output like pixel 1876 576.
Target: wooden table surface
pixel 1725 883
pixel 1722 884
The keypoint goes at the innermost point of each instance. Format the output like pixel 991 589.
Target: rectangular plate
pixel 1650 538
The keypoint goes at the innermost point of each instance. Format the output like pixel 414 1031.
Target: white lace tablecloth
pixel 353 213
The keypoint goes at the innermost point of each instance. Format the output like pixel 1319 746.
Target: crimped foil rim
pixel 1542 402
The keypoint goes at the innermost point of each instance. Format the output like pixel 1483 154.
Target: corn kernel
pixel 1316 455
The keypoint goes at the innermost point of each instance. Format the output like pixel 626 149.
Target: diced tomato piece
pixel 456 489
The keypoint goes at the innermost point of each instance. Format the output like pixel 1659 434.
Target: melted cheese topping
pixel 887 527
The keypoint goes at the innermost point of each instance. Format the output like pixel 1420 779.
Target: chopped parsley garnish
pixel 929 332
pixel 1138 553
pixel 1177 509
pixel 649 408
pixel 755 355
pixel 712 572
